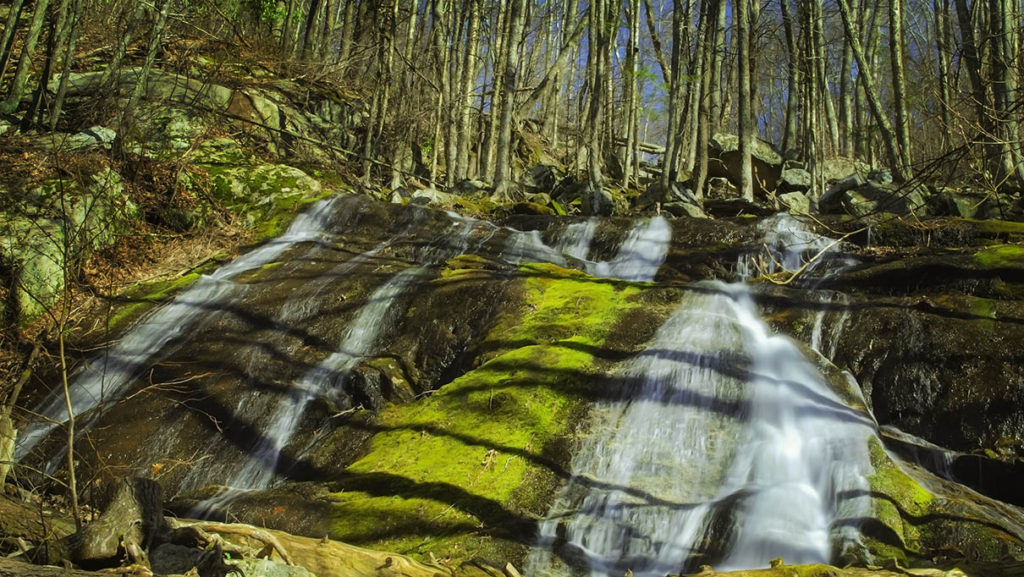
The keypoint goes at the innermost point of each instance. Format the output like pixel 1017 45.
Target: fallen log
pixel 12 568
pixel 324 557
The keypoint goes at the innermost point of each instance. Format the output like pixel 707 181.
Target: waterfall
pixel 640 255
pixel 728 447
pixel 638 259
pixel 103 379
pixel 359 340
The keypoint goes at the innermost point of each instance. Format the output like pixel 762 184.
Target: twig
pixel 793 275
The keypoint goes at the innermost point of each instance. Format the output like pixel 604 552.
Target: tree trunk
pixel 632 52
pixel 469 74
pixel 888 135
pixel 746 128
pixel 347 28
pixel 793 82
pixel 714 93
pixel 34 115
pixel 128 115
pixel 497 48
pixel 943 46
pixel 442 53
pixel 113 70
pixel 847 87
pixel 706 33
pixel 659 53
pixel 502 170
pixel 69 56
pixel 17 87
pixel 899 81
pixel 825 95
pixel 308 35
pixel 549 82
pixel 7 39
pixel 676 98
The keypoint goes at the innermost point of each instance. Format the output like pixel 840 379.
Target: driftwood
pixel 127 528
pixel 133 531
pixel 327 558
pixel 11 568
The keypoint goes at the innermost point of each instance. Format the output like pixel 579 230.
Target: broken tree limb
pixel 261 535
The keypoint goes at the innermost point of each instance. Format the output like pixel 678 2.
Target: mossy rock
pixel 912 524
pixel 56 227
pixel 468 471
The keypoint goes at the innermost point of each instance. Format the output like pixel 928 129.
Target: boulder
pixel 721 188
pixel 542 177
pixel 431 196
pixel 966 203
pixel 795 180
pixel 97 136
pixel 90 213
pixel 848 197
pixel 796 202
pixel 724 157
pixel 597 201
pixel 836 169
pixel 680 209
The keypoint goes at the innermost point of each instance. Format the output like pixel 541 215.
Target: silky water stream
pixel 103 379
pixel 727 447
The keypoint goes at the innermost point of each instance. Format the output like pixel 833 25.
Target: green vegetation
pixel 897 499
pixel 144 295
pixel 1004 255
pixel 466 471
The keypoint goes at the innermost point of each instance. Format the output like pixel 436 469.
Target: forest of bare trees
pixel 927 89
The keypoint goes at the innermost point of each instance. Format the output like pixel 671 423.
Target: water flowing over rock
pixel 730 448
pixel 104 380
pixel 427 383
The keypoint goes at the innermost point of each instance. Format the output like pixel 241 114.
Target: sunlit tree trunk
pixel 632 54
pixel 513 52
pixel 676 97
pixel 793 83
pixel 888 134
pixel 17 86
pixel 469 73
pixel 847 88
pixel 899 80
pixel 943 45
pixel 497 49
pixel 745 121
pixel 706 33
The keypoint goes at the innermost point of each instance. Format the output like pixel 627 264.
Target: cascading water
pixel 638 258
pixel 103 379
pixel 327 379
pixel 728 447
pixel 640 255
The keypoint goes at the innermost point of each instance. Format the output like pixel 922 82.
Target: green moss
pixel 998 226
pixel 282 214
pixel 897 500
pixel 143 296
pixel 467 471
pixel 1000 256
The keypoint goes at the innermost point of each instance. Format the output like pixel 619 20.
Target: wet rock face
pixel 953 377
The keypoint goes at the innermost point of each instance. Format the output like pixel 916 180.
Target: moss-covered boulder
pixel 468 470
pixel 47 231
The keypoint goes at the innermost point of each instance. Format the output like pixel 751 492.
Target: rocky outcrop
pixel 287 119
pixel 48 230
